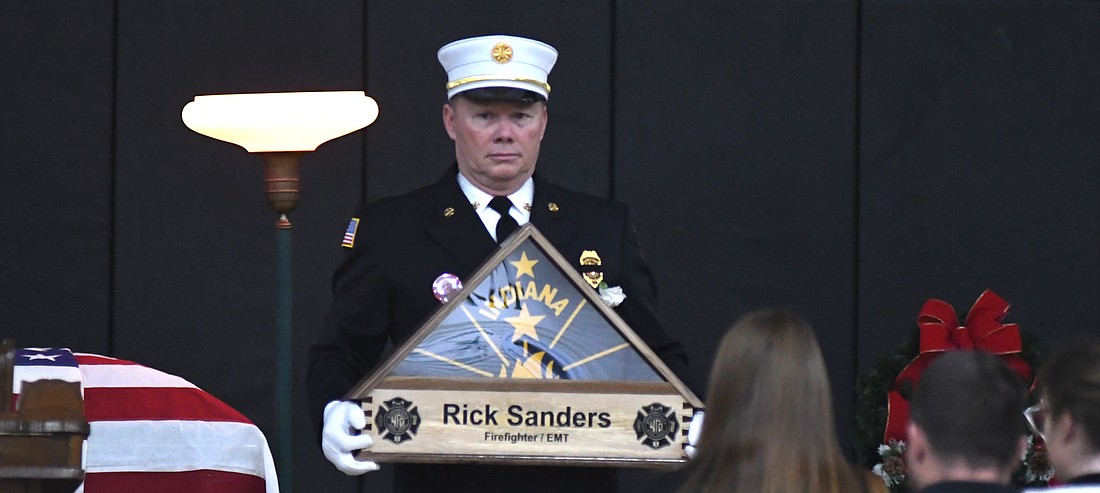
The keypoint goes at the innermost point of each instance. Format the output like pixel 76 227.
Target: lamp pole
pixel 283 187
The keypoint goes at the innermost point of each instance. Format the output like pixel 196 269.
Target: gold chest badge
pixel 589 258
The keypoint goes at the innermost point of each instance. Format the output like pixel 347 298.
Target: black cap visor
pixel 510 94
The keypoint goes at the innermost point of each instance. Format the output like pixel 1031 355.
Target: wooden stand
pixel 41 442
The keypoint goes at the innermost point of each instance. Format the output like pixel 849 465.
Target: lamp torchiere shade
pixel 282 126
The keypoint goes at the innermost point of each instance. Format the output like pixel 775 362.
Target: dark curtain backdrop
pixel 846 159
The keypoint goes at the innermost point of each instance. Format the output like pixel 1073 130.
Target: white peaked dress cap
pixel 497 61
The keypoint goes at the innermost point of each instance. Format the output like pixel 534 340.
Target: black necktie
pixel 506 224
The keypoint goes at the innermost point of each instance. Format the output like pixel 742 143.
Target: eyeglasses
pixel 1037 419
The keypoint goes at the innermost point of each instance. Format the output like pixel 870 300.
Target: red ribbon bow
pixel 940 332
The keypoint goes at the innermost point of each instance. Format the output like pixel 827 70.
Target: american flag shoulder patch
pixel 349 234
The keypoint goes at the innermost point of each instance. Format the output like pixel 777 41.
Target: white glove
pixel 338 441
pixel 695 429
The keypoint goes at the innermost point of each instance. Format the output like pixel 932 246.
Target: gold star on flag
pixel 525 266
pixel 524 324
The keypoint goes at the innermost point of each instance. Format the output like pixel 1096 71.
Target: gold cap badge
pixel 502 53
pixel 448 212
pixel 589 258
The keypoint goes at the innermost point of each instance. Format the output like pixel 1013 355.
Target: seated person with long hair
pixel 769 420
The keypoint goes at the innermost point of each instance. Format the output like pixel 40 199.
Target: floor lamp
pixel 281 127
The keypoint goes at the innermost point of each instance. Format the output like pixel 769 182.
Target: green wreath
pixel 887 460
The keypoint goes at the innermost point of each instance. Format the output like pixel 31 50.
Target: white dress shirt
pixel 521 203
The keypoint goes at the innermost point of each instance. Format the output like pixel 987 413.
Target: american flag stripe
pixel 155 403
pixel 170 446
pixel 206 481
pixel 99 375
pixel 152 431
pixel 95 359
pixel 34 373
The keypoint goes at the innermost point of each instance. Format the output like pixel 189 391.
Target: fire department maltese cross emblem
pixel 397 420
pixel 656 425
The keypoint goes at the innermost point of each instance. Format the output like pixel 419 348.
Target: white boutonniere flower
pixel 611 295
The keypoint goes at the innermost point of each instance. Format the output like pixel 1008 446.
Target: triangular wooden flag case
pixel 525 364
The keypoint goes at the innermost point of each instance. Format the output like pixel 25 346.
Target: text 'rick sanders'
pixel 455 414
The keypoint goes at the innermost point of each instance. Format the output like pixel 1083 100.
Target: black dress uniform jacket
pixel 382 292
